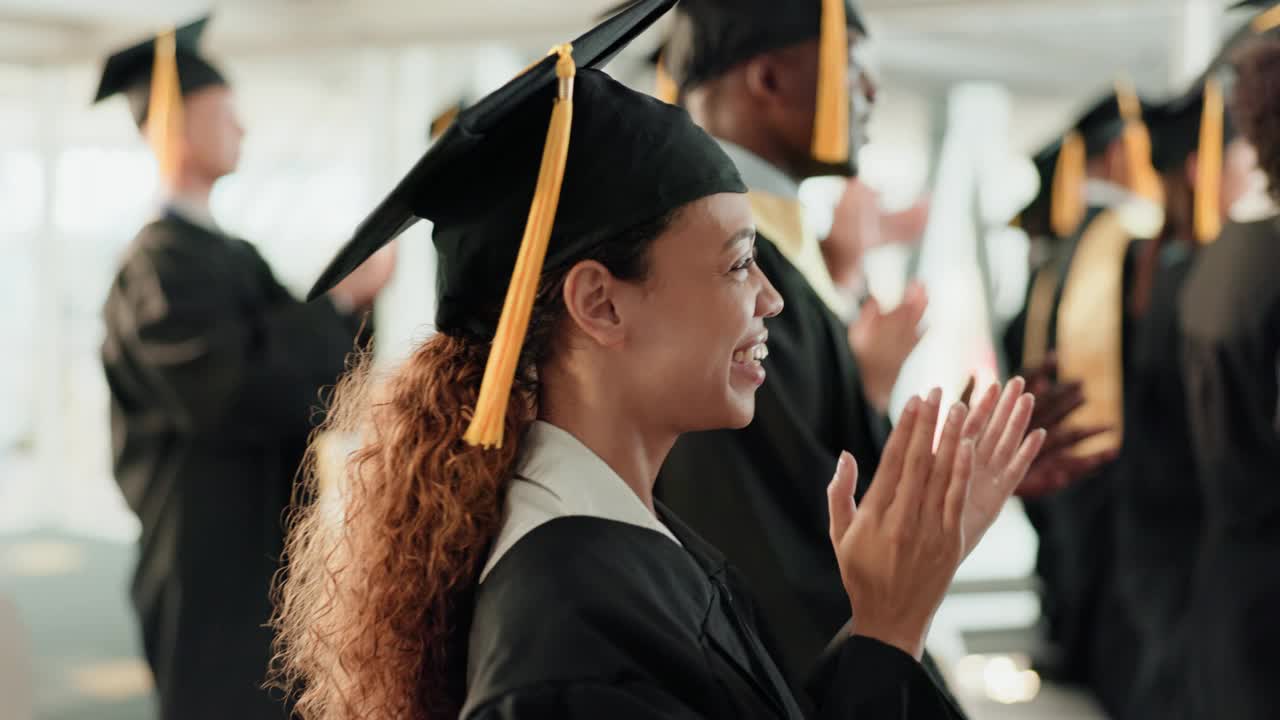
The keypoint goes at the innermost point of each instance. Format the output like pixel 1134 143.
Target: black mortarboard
pixel 724 33
pixel 709 37
pixel 629 159
pixel 129 71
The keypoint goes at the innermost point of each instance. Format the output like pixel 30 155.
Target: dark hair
pixel 373 616
pixel 1255 104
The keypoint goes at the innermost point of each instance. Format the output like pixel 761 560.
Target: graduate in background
pixel 1230 327
pixel 499 553
pixel 1105 194
pixel 1159 504
pixel 215 373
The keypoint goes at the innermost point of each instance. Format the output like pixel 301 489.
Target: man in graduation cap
pixel 1159 503
pixel 215 372
pixel 1229 323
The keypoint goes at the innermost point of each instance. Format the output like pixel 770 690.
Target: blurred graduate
pixel 215 373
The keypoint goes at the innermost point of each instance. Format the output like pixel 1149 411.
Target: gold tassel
pixel 164 109
pixel 1066 204
pixel 1144 181
pixel 1266 21
pixel 444 121
pixel 1208 207
pixel 831 121
pixel 665 87
pixel 499 374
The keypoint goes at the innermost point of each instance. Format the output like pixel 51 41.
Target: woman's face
pixel 694 334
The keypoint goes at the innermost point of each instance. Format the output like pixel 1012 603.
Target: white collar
pixel 558 476
pixel 1105 194
pixel 758 174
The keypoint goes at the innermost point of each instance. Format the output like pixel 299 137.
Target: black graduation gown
pixel 1231 360
pixel 1092 637
pixel 215 372
pixel 759 494
pixel 1158 501
pixel 592 618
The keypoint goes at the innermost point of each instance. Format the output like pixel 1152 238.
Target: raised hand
pixel 1058 464
pixel 882 341
pixel 899 551
pixel 1003 453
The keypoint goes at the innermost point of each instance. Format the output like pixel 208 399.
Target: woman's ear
pixel 589 290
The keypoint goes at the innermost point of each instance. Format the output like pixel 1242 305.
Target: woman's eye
pixel 746 263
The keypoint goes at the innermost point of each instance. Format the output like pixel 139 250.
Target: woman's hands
pixel 924 512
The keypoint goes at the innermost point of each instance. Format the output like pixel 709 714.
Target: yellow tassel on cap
pixel 444 121
pixel 164 109
pixel 499 373
pixel 1144 181
pixel 665 87
pixel 1266 21
pixel 1208 207
pixel 1066 203
pixel 831 121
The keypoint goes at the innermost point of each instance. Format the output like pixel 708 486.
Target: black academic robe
pixel 592 618
pixel 1158 500
pixel 759 494
pixel 215 372
pixel 1092 639
pixel 1231 360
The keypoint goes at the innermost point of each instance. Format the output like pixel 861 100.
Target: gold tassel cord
pixel 1144 181
pixel 665 87
pixel 487 425
pixel 444 121
pixel 831 120
pixel 1208 205
pixel 164 110
pixel 1066 204
pixel 1266 21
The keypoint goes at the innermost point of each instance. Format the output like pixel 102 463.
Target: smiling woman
pixel 497 552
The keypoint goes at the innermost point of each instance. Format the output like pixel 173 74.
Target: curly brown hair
pixel 373 611
pixel 1255 103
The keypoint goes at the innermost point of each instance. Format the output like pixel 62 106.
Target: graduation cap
pixel 712 36
pixel 555 162
pixel 131 71
pixel 1117 116
pixel 155 75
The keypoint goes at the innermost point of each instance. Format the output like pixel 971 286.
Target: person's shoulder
pixel 583 599
pixel 1231 286
pixel 579 562
pixel 168 243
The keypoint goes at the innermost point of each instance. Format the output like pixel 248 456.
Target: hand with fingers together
pixel 899 551
pixel 1003 453
pixel 882 341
